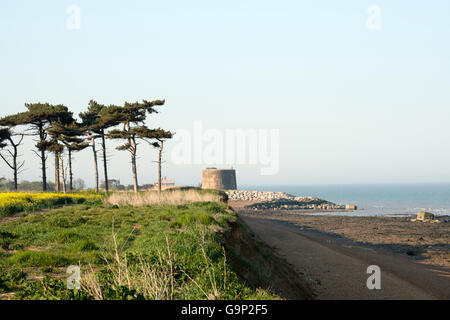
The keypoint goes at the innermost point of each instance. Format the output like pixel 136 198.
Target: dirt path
pixel 14 217
pixel 337 267
pixel 20 215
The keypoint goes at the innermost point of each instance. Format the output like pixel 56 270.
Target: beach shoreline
pixel 424 242
pixel 333 251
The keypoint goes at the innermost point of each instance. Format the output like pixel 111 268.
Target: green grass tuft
pixel 38 259
pixel 68 236
pixel 85 245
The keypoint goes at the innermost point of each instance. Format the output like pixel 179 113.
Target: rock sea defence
pixel 267 200
pixel 244 195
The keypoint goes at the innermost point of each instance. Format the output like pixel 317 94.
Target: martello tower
pixel 219 179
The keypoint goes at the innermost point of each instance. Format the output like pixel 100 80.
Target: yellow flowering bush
pixel 11 202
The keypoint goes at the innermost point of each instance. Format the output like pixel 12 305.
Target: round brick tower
pixel 219 179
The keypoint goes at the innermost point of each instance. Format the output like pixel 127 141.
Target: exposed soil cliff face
pixel 259 266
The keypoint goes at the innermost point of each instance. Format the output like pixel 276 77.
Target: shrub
pixel 10 279
pixel 50 289
pixel 5 239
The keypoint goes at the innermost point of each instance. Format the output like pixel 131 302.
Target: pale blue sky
pixel 353 105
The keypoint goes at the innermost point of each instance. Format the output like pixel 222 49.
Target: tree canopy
pixel 55 130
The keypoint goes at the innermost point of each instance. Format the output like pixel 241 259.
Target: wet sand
pixel 424 242
pixel 333 252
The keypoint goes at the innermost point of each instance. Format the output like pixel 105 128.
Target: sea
pixel 375 199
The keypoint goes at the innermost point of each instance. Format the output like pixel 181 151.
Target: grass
pixel 29 258
pixel 176 196
pixel 11 203
pixel 163 251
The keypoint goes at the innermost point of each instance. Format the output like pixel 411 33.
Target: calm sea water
pixel 376 199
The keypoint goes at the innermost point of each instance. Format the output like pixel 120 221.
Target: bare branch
pixel 4 159
pixel 20 165
pixel 21 139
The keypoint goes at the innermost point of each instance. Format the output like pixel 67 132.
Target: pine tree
pixel 160 135
pixel 57 149
pixel 39 117
pixel 89 122
pixel 132 117
pixel 61 118
pixel 96 121
pixel 71 136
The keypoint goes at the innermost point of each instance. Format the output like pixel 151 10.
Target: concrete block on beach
pixel 351 207
pixel 424 216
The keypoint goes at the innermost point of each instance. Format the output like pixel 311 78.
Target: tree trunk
pixel 15 169
pixel 134 169
pixel 44 171
pixel 133 163
pixel 63 173
pixel 133 150
pixel 14 165
pixel 57 175
pixel 70 172
pixel 42 137
pixel 159 165
pixel 16 185
pixel 105 161
pixel 95 165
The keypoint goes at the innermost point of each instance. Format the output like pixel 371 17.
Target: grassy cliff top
pixel 124 252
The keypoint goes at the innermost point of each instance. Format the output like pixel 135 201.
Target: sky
pixel 353 102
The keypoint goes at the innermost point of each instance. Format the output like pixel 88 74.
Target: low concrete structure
pixel 422 216
pixel 219 179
